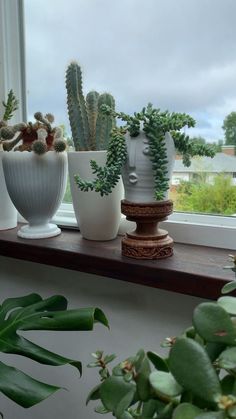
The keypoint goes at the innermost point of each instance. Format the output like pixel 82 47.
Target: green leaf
pixel 192 368
pixel 109 358
pixel 158 362
pixel 227 359
pixel 213 323
pixel 31 312
pixel 186 411
pixel 101 409
pixel 113 390
pixel 124 403
pixel 94 394
pixel 228 385
pixel 211 415
pixel 231 286
pixel 164 384
pixel 228 303
pixel 142 380
pixel 21 388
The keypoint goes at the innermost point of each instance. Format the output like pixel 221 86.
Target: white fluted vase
pixel 98 217
pixel 36 185
pixel 8 213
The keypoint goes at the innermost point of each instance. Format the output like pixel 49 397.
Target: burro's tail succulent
pixel 90 127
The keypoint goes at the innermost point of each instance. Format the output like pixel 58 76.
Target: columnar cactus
pixel 10 106
pixel 90 128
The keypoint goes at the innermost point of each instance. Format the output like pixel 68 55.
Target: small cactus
pixel 7 133
pixel 90 128
pixel 38 137
pixel 39 147
pixel 59 146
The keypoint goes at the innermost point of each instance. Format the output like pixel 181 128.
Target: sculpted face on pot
pixel 137 173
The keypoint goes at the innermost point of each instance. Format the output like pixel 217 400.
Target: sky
pixel 179 55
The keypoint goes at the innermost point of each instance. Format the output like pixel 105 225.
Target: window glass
pixel 178 55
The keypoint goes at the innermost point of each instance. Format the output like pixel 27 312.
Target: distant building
pixel 205 168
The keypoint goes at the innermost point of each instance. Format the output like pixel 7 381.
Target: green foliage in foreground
pixel 31 312
pixel 216 198
pixel 196 380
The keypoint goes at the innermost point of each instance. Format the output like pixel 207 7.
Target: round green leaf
pixel 192 368
pixel 227 358
pixel 228 303
pixel 231 286
pixel 164 384
pixel 113 390
pixel 186 411
pixel 213 323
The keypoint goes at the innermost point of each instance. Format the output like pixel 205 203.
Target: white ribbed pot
pixel 36 185
pixel 98 217
pixel 8 213
pixel 137 173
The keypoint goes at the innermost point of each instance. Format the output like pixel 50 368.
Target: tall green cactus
pixel 105 123
pixel 90 128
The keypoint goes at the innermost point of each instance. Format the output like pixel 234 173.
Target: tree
pixel 202 197
pixel 229 127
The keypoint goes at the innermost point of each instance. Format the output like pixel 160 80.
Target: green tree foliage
pixel 229 127
pixel 216 198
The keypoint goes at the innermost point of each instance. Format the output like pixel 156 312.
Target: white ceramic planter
pixel 98 217
pixel 137 173
pixel 8 213
pixel 36 185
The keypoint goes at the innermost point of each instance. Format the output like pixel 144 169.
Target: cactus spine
pixel 90 128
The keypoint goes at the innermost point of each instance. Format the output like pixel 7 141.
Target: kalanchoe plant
pixel 39 136
pixel 31 312
pixel 155 124
pixel 196 379
pixel 90 127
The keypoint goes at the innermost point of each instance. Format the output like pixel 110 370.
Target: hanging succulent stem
pixel 90 127
pixel 108 176
pixel 155 125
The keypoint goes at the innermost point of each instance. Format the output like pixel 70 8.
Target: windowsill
pixel 193 270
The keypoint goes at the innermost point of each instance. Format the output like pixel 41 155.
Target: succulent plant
pixel 195 380
pixel 39 137
pixel 155 124
pixel 10 106
pixel 90 127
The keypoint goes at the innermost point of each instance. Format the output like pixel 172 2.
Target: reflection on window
pixel 171 53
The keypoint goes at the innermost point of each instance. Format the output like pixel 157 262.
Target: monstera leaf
pixel 31 312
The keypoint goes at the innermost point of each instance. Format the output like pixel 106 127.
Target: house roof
pixel 220 163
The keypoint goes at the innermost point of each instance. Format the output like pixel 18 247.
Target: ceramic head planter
pixel 144 152
pixel 35 173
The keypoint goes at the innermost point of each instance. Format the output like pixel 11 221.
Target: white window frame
pixel 206 230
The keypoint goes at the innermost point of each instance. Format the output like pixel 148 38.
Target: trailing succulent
pixel 90 127
pixel 31 312
pixel 39 137
pixel 155 124
pixel 196 380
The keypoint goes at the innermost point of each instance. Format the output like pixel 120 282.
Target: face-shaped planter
pixel 137 173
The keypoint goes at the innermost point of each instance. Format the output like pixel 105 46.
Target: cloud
pixel 176 54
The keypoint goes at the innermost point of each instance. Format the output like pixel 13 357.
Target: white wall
pixel 139 317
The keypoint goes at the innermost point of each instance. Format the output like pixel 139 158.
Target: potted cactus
pixel 8 213
pixel 98 217
pixel 194 380
pixel 35 173
pixel 144 152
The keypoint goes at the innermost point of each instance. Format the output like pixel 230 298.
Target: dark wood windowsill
pixel 193 270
